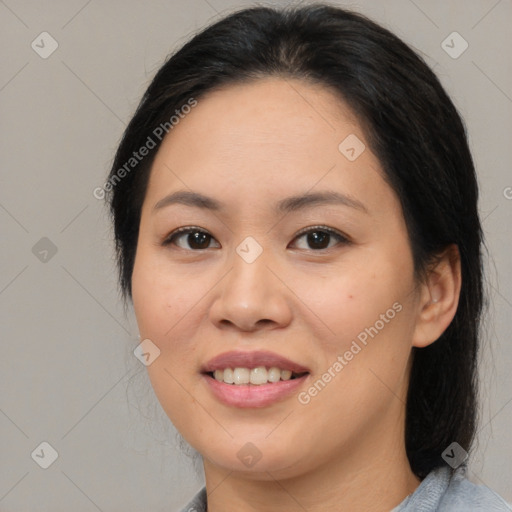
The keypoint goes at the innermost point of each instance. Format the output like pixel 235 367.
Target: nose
pixel 251 297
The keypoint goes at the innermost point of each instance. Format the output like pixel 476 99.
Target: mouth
pixel 253 379
pixel 254 376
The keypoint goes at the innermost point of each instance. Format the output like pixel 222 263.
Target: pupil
pixel 318 239
pixel 198 240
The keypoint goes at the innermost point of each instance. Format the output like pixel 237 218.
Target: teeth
pixel 255 376
pixel 286 374
pixel 242 375
pixel 259 375
pixel 228 376
pixel 274 374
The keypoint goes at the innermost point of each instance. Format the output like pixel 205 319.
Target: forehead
pixel 272 136
pixel 273 111
pixel 266 114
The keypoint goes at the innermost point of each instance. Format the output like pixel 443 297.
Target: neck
pixel 375 481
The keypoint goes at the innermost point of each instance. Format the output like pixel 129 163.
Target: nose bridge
pixel 251 293
pixel 249 268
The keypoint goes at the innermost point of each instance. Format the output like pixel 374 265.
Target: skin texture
pixel 250 146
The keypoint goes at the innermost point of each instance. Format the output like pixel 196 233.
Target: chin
pixel 255 461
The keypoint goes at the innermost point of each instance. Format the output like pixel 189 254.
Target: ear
pixel 439 297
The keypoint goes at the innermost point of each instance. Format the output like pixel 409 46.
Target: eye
pixel 316 238
pixel 320 237
pixel 195 238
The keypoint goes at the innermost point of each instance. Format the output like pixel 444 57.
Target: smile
pixel 255 376
pixel 253 379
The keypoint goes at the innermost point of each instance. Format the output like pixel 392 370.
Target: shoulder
pixel 441 491
pixel 444 490
pixel 464 495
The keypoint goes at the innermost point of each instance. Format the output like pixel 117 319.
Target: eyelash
pixel 342 239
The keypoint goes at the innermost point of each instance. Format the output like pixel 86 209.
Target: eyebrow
pixel 290 204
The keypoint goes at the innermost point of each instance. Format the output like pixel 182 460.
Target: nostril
pixel 264 321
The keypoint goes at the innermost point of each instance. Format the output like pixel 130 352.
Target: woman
pixel 295 213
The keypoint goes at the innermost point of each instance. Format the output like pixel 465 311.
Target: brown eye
pixel 198 240
pixel 319 238
pixel 190 238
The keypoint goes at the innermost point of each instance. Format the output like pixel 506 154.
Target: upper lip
pixel 237 359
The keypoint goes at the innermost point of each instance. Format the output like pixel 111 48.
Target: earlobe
pixel 439 298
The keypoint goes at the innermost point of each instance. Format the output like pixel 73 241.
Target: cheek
pixel 162 297
pixel 164 303
pixel 357 298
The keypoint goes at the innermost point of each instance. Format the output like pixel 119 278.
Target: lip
pixel 250 395
pixel 237 359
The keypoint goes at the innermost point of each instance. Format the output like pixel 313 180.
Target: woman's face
pixel 298 259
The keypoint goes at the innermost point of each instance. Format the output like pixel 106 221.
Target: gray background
pixel 67 373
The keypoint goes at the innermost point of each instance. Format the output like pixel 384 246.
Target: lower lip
pixel 250 395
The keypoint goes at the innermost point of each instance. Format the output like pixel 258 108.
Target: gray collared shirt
pixel 440 491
